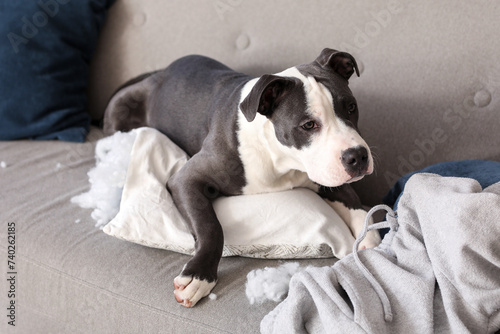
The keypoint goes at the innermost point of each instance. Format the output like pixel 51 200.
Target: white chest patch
pixel 269 166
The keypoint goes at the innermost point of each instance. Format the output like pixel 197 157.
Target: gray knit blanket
pixel 437 270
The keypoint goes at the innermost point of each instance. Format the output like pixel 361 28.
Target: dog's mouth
pixel 355 178
pixel 359 175
pixel 351 180
pixel 340 174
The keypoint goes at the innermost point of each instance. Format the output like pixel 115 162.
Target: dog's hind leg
pixel 127 108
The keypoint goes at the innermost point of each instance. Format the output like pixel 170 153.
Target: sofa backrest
pixel 430 75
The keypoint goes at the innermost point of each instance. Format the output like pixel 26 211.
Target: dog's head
pixel 315 117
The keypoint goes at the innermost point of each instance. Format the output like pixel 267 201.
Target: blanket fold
pixel 440 270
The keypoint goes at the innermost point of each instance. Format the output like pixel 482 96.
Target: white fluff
pixel 270 283
pixel 107 178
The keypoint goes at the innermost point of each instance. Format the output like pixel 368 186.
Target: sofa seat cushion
pixel 72 277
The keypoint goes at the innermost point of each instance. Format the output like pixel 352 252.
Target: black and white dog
pixel 246 135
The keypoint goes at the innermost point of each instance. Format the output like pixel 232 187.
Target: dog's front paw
pixel 188 290
pixel 371 240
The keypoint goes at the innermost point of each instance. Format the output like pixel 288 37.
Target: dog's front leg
pixel 193 196
pixel 347 204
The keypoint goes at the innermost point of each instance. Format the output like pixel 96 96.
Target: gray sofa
pixel 428 92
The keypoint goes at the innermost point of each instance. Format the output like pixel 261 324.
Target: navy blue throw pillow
pixel 484 171
pixel 44 58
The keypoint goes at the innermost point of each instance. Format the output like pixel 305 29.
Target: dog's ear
pixel 341 62
pixel 265 96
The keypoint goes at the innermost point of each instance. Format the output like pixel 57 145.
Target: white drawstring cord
pixel 391 222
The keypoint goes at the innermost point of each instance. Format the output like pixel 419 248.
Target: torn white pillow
pixel 291 224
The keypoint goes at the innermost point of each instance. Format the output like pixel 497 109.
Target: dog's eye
pixel 309 125
pixel 351 109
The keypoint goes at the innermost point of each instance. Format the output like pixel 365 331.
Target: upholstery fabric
pixel 73 278
pixel 428 89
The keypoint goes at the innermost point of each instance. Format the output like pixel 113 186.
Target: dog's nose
pixel 355 160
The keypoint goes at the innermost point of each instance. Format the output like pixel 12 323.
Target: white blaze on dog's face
pixel 314 125
pixel 332 133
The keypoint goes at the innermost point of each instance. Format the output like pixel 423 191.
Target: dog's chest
pixel 268 166
pixel 269 180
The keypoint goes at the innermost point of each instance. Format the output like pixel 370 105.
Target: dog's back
pixel 178 101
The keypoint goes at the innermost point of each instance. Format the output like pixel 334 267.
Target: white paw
pixel 371 240
pixel 188 291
